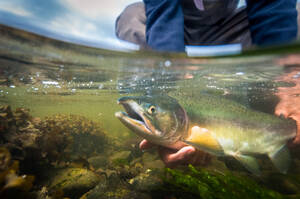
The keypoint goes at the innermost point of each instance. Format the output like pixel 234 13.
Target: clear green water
pixel 51 78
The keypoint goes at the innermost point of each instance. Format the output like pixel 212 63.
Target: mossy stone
pixel 73 182
pixel 120 158
pixel 146 181
pixel 99 161
pixel 149 157
pixel 109 189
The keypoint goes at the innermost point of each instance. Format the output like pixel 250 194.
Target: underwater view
pixel 72 119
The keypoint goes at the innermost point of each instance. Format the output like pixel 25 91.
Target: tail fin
pixel 281 158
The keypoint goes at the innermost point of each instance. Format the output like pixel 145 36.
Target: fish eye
pixel 151 109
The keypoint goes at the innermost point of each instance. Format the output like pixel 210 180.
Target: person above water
pixel 169 25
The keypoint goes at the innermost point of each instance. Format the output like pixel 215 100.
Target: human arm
pixel 164 25
pixel 273 21
pixel 289 102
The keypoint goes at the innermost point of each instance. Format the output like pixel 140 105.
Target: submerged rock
pixel 12 184
pixel 114 188
pixel 72 182
pixel 99 161
pixel 66 136
pixel 150 180
pixel 5 159
pixel 152 161
pixel 120 158
pixel 18 132
pixel 102 192
pixel 36 145
pixel 59 139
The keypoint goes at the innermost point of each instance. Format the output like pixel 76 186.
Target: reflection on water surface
pixel 60 138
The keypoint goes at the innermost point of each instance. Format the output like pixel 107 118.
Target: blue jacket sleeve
pixel 272 21
pixel 164 25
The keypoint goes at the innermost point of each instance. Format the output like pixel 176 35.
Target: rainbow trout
pixel 232 129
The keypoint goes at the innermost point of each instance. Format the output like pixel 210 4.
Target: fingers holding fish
pixel 176 157
pixel 289 103
pixel 144 145
pixel 186 155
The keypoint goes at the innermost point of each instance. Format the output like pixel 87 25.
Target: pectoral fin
pixel 250 163
pixel 281 159
pixel 202 139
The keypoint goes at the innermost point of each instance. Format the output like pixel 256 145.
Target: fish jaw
pixel 135 120
pixel 135 125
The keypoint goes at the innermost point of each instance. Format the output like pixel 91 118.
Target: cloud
pixel 81 29
pixel 15 9
pixel 89 22
pixel 98 9
pixel 72 25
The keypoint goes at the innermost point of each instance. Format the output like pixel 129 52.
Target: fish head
pixel 159 119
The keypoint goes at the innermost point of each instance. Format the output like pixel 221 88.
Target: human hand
pixel 183 155
pixel 289 97
pixel 289 107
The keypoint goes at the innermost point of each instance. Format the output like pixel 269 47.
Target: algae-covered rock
pixel 5 159
pixel 206 184
pixel 43 193
pixel 152 161
pixel 73 182
pixel 148 157
pixel 56 140
pixel 120 158
pixel 18 132
pixel 12 184
pixel 114 188
pixel 66 136
pixel 150 180
pixel 99 161
pixel 100 192
pixel 156 164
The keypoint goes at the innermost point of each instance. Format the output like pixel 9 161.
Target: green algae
pixel 202 183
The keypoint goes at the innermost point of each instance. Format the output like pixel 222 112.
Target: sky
pixel 89 22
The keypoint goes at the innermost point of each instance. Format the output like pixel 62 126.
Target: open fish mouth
pixel 133 116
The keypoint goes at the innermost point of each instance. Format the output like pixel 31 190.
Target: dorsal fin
pixel 202 139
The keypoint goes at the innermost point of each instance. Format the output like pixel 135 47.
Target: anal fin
pixel 249 162
pixel 281 158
